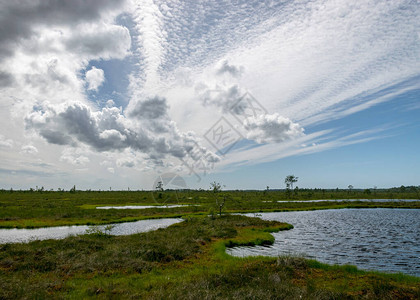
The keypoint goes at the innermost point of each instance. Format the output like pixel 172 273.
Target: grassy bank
pixel 186 260
pixel 43 209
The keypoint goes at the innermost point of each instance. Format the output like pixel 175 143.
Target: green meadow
pixel 186 260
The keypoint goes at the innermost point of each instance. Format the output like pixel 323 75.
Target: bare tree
pixel 159 186
pixel 289 180
pixel 216 188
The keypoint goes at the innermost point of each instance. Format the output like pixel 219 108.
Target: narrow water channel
pixel 141 206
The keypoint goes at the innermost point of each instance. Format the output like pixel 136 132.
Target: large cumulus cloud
pixel 110 130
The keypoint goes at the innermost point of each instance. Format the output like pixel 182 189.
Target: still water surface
pixel 373 239
pixel 61 232
pixel 350 200
pixel 140 206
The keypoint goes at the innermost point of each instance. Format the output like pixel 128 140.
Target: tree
pixel 159 186
pixel 289 180
pixel 216 188
pixel 266 190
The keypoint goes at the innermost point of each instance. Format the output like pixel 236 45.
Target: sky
pixel 106 94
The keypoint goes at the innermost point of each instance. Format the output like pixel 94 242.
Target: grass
pixel 24 209
pixel 188 261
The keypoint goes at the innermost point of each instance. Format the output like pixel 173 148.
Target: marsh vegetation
pixel 32 209
pixel 185 260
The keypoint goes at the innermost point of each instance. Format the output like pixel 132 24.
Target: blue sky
pixel 391 159
pixel 381 163
pixel 119 93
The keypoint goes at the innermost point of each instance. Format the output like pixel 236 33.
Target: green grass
pixel 44 209
pixel 184 261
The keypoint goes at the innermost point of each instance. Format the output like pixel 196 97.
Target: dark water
pixel 61 232
pixel 352 200
pixel 380 239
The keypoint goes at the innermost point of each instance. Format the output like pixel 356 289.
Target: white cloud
pixel 271 129
pixel 126 162
pixel 76 124
pixel 95 78
pixel 21 18
pixel 29 149
pixel 112 134
pixel 105 163
pixel 150 40
pixel 222 96
pixel 74 156
pixel 320 141
pixel 110 103
pixel 5 143
pixel 99 41
pixel 309 62
pixel 232 70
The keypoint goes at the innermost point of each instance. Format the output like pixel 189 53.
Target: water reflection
pixel 373 239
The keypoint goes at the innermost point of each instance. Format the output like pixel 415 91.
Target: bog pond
pixel 61 232
pixel 372 239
